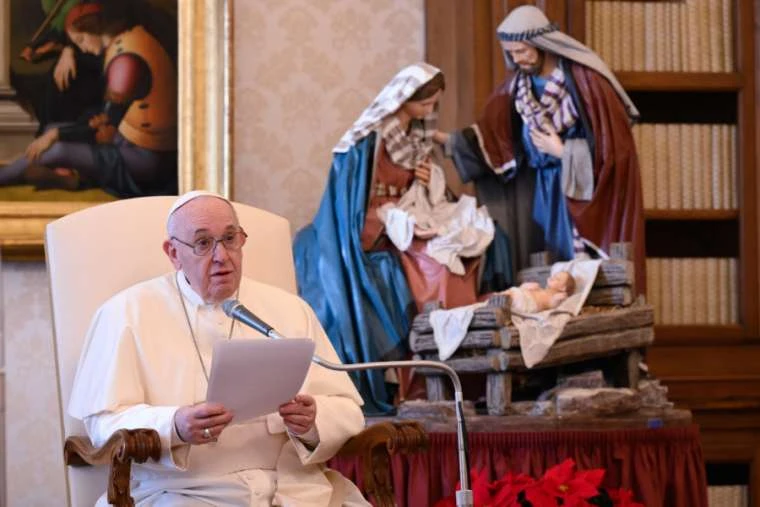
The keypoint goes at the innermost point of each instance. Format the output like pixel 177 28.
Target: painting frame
pixel 204 127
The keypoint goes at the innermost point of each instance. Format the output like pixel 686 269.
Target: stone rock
pixel 596 402
pixel 439 410
pixel 653 394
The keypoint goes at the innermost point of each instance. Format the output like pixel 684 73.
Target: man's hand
pixel 548 141
pixel 27 53
pixel 440 137
pixel 65 69
pixel 40 145
pixel 192 421
pixel 423 170
pixel 299 413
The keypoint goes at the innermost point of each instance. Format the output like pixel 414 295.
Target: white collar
pixel 192 297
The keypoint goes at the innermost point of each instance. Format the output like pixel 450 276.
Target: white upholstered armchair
pixel 94 253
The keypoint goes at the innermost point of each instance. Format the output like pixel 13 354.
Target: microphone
pixel 236 310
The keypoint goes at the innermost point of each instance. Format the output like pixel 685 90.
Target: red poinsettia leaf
pixel 575 501
pixel 594 477
pixel 623 498
pixel 538 496
pixel 481 488
pixel 580 488
pixel 561 473
pixel 512 480
pixel 506 489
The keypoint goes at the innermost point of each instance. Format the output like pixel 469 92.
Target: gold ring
pixel 206 433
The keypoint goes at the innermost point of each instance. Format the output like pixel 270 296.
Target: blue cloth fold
pixel 361 298
pixel 549 206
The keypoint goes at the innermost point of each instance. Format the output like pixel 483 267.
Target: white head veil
pixel 396 92
pixel 529 24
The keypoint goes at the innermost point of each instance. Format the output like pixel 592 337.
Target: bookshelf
pixel 680 81
pixel 712 369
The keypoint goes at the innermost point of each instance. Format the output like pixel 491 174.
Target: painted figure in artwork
pixel 71 86
pixel 129 147
pixel 375 254
pixel 553 155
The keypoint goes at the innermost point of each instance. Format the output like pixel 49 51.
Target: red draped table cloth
pixel 663 466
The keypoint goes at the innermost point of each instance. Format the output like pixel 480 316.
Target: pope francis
pixel 145 364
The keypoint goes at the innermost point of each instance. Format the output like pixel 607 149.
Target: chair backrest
pixel 95 253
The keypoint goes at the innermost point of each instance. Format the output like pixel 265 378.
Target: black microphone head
pixel 229 306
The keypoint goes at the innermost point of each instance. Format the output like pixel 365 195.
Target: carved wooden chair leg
pixel 124 447
pixel 375 445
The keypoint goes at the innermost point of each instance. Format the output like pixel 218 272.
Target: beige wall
pixel 309 68
pixel 33 437
pixel 304 70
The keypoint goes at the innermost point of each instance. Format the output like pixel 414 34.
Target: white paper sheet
pixel 254 377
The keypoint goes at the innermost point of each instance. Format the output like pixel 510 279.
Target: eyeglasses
pixel 232 240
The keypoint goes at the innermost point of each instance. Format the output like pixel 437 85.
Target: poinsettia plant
pixel 561 485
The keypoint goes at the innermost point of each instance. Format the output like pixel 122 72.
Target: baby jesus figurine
pixel 530 297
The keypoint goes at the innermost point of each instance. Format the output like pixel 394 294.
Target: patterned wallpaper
pixel 304 71
pixel 33 436
pixel 309 68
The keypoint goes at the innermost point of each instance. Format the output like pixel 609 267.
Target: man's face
pixel 528 58
pixel 216 275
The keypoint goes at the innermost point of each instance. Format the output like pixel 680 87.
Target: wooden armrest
pixel 375 445
pixel 124 447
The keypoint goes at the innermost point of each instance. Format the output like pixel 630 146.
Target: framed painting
pixel 108 99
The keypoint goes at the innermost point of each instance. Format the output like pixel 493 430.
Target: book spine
pixel 687 165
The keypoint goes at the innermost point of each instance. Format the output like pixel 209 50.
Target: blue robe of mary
pixel 361 298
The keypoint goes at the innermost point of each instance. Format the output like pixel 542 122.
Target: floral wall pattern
pixel 308 70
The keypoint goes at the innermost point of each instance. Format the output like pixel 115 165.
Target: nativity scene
pixel 496 270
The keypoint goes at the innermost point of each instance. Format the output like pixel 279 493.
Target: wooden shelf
pixel 680 81
pixel 691 214
pixel 699 335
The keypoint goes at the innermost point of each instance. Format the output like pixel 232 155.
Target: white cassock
pixel 139 365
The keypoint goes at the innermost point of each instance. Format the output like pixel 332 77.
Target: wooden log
pixel 562 352
pixel 493 360
pixel 485 317
pixel 498 393
pixel 500 301
pixel 543 258
pixel 612 272
pixel 589 347
pixel 538 274
pixel 627 372
pixel 621 251
pixel 475 339
pixel 594 320
pixel 610 296
pixel 436 388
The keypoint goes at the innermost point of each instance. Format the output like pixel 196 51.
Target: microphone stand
pixel 464 496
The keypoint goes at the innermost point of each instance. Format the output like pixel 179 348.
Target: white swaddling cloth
pixel 540 330
pixel 455 229
pixel 450 328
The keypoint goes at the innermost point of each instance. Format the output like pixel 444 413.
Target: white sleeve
pixel 174 451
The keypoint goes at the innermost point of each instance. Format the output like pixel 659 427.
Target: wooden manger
pixel 612 325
